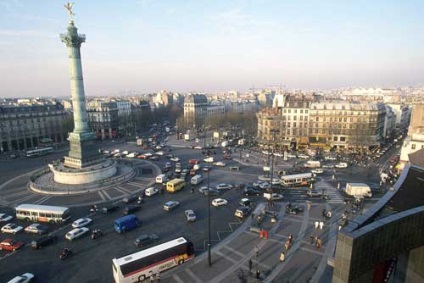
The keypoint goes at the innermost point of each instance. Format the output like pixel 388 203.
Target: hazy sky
pixel 214 45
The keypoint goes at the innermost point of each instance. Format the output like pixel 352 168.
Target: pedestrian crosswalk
pixel 299 194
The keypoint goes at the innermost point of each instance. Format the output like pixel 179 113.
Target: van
pixel 126 223
pixel 197 179
pixel 42 242
pixel 160 179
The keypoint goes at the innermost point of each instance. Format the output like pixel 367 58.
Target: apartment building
pixel 195 109
pixel 103 118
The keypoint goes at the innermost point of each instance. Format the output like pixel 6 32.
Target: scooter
pixel 96 233
pixel 65 254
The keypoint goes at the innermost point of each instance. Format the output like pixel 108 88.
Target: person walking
pixel 250 265
pixel 312 239
pixel 257 251
pixel 319 243
pixel 316 224
pixel 282 257
pixel 321 225
pixel 158 277
pixel 258 274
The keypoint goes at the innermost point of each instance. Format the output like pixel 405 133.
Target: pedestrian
pixel 257 251
pixel 312 239
pixel 282 257
pixel 309 206
pixel 250 265
pixel 319 243
pixel 158 277
pixel 316 224
pixel 152 277
pixel 252 216
pixel 321 225
pixel 258 274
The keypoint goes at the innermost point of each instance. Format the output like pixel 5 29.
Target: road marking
pixel 107 195
pixel 194 276
pixel 122 190
pixel 135 184
pixel 234 251
pixel 101 195
pixel 23 192
pixel 177 278
pixel 227 257
pixel 320 253
pixel 26 198
pixel 43 199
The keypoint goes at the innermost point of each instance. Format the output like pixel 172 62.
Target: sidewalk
pixel 230 258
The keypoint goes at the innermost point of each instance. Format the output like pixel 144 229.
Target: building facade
pixel 195 110
pixel 103 118
pixel 30 123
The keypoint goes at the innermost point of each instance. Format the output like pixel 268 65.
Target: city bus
pixel 175 185
pixel 39 152
pixel 139 266
pixel 43 213
pixel 303 179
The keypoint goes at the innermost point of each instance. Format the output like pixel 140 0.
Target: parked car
pixel 191 217
pixel 24 278
pixel 81 222
pixel 76 233
pixel 5 217
pixel 145 240
pixel 42 242
pixel 37 229
pixel 11 228
pixel 224 186
pixel 130 198
pixel 11 245
pixel 219 202
pixel 170 205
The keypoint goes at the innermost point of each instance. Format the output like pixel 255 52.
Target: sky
pixel 211 46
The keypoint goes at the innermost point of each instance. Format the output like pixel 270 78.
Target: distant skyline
pixel 211 46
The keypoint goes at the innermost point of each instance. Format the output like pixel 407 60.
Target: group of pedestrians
pixel 319 224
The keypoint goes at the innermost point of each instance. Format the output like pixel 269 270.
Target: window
pixel 334 138
pixel 413 146
pixel 317 119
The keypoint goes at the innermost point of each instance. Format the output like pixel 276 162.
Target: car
pixel 250 191
pixel 154 158
pixel 236 168
pixel 303 156
pixel 209 191
pixel 5 217
pixel 130 198
pixel 81 222
pixel 170 205
pixel 145 240
pixel 313 193
pixel 168 165
pixel 219 202
pixel 175 159
pixel 224 186
pixel 245 202
pixel 130 209
pixel 273 196
pixel 76 233
pixel 265 185
pixel 242 211
pixel 328 166
pixel 341 165
pixel 24 278
pixel 43 241
pixel 206 168
pixel 219 164
pixel 191 217
pixel 110 208
pixel 11 245
pixel 37 229
pixel 160 153
pixel 151 191
pixel 11 228
pixel 294 209
pixel 317 171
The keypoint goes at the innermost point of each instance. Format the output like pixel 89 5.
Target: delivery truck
pixel 358 190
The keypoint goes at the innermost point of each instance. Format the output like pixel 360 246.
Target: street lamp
pixel 272 157
pixel 209 225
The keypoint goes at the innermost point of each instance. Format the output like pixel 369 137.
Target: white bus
pixel 303 179
pixel 39 152
pixel 139 266
pixel 43 213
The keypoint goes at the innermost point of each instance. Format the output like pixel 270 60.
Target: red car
pixel 10 245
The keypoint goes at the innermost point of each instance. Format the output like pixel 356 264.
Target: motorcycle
pixel 139 200
pixel 94 208
pixel 96 233
pixel 65 254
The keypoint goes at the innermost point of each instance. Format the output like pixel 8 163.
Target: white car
pixel 224 186
pixel 317 171
pixel 151 191
pixel 81 222
pixel 175 159
pixel 11 228
pixel 191 217
pixel 219 202
pixel 37 229
pixel 160 153
pixel 5 217
pixel 76 233
pixel 24 278
pixel 219 164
